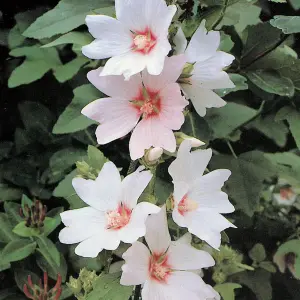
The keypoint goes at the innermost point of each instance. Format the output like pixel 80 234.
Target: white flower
pixel 151 106
pixel 198 199
pixel 162 270
pixel 205 70
pixel 137 39
pixel 113 214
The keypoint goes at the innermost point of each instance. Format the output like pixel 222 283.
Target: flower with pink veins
pixel 151 106
pixel 198 199
pixel 165 268
pixel 136 40
pixel 112 214
pixel 204 70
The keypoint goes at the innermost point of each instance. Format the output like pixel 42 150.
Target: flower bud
pixel 180 137
pixel 74 285
pixel 154 154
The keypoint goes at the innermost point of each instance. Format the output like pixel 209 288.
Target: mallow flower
pixel 198 199
pixel 135 40
pixel 112 214
pixel 151 106
pixel 164 268
pixel 204 69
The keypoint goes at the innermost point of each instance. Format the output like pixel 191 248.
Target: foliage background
pixel 256 135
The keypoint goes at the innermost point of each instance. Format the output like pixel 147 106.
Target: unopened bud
pixel 154 154
pixel 180 137
pixel 74 285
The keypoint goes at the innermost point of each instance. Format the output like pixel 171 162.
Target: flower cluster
pixel 147 95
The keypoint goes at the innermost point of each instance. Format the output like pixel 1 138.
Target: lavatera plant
pixel 148 92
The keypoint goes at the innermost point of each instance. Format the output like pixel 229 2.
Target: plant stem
pixel 132 166
pixel 137 292
pixel 231 149
pixel 94 143
pixel 221 16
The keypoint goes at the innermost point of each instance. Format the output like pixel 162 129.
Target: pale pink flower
pixel 136 40
pixel 206 68
pixel 112 214
pixel 156 100
pixel 163 269
pixel 198 199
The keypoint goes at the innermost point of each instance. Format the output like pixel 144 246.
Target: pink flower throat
pixel 143 41
pixel 159 269
pixel 117 219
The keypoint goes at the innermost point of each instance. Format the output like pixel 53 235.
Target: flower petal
pixel 150 133
pixel 185 257
pixel 111 37
pixel 207 226
pixel 202 45
pixel 202 98
pixel 116 116
pixel 127 64
pixel 188 166
pixel 133 185
pixel 157 235
pixel 116 86
pixel 180 41
pixel 91 247
pixel 135 269
pixel 103 193
pixel 136 227
pixel 172 106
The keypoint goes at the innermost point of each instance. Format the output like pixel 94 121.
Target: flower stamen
pixel 187 205
pixel 117 219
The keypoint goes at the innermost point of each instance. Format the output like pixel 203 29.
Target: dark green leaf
pixel 13 212
pixel 268 266
pixel 67 15
pixel 226 290
pixel 240 83
pixel 48 250
pixel 71 120
pixel 6 234
pixel 258 253
pixel 21 277
pixel 272 82
pixel 96 158
pixel 5 148
pixel 8 193
pixel 107 286
pixel 18 250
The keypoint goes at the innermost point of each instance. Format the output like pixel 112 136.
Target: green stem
pixel 92 140
pixel 231 149
pixel 221 15
pixel 132 166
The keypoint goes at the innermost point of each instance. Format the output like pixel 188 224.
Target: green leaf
pixel 248 172
pixel 261 38
pixel 17 250
pixel 51 267
pixel 288 24
pixel 48 250
pixel 196 127
pixel 272 82
pixel 13 212
pixel 292 246
pixel 293 118
pixel 258 281
pixel 21 277
pixel 37 63
pixel 62 160
pixel 258 253
pixel 74 37
pixel 22 230
pixel 96 158
pixel 67 15
pixel 71 120
pixel 50 225
pixel 268 266
pixel 67 71
pixel 239 81
pixel 223 121
pixel 26 201
pixel 226 43
pixel 295 4
pixel 270 127
pixel 15 37
pixel 66 190
pixel 6 234
pixel 8 193
pixel 284 60
pixel 226 290
pixel 107 286
pixel 3 266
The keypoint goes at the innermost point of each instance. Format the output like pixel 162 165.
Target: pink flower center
pixel 286 193
pixel 187 205
pixel 117 219
pixel 148 103
pixel 159 269
pixel 144 41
